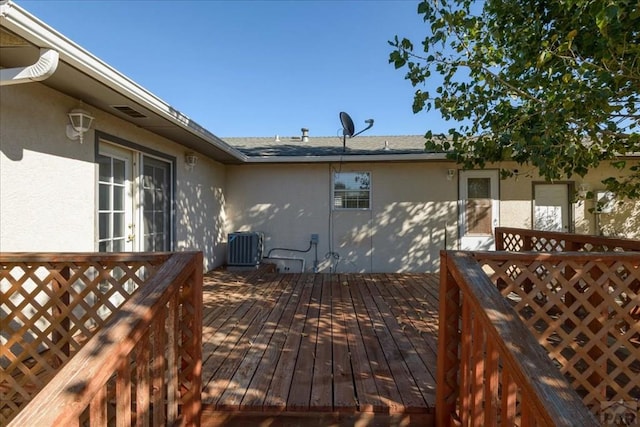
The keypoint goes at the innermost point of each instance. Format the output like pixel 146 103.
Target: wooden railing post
pixel 447 388
pixel 192 344
pixel 499 238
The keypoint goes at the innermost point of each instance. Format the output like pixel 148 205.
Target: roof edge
pixel 352 158
pixel 38 33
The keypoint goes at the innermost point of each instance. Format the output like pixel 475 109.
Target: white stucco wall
pixel 47 185
pixel 201 209
pixel 412 205
pixel 48 182
pixel 516 209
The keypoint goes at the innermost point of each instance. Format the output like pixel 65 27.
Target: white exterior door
pixel 156 205
pixel 551 207
pixel 135 198
pixel 479 209
pixel 116 224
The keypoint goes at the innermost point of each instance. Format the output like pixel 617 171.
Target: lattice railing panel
pixel 141 367
pixel 491 369
pixel 523 240
pixel 585 311
pixel 513 242
pixel 50 309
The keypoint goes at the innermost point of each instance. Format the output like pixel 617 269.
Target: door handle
pixel 131 237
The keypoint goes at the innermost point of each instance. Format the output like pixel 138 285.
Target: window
pixel 352 190
pixel 478 207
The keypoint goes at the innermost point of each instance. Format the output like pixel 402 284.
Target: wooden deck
pixel 319 349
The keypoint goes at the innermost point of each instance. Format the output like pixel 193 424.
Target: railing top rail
pixel 555 401
pixel 560 256
pixel 628 244
pixel 73 387
pixel 52 257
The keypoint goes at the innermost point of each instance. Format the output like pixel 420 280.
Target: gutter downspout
pixel 41 70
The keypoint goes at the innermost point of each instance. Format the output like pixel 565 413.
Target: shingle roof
pixel 328 146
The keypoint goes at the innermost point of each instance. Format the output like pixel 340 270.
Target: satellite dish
pixel 347 124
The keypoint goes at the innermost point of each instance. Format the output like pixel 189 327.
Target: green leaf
pixel 550 83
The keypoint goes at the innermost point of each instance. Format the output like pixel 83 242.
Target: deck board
pixel 343 381
pixel 388 392
pixel 322 385
pixel 255 395
pixel 319 343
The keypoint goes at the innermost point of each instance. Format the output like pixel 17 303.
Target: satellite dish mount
pixel 348 129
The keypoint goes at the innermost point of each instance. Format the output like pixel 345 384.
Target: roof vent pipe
pixel 41 70
pixel 305 134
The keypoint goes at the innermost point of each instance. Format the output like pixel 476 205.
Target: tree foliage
pixel 553 84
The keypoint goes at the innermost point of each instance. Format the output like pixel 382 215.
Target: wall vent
pixel 129 111
pixel 244 249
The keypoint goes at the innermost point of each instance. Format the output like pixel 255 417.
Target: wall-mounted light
pixel 605 201
pixel 80 122
pixel 450 174
pixel 190 159
pixel 583 190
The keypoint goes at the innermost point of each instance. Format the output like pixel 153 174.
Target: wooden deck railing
pixel 491 369
pixel 101 338
pixel 523 240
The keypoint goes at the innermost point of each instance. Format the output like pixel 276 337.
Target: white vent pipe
pixel 41 70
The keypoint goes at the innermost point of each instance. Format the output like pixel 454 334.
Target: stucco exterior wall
pixel 414 213
pixel 622 221
pixel 201 209
pixel 48 182
pixel 412 216
pixel 516 208
pixel 47 185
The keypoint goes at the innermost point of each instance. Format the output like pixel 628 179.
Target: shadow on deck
pixel 319 349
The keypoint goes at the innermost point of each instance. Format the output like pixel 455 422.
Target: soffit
pixel 16 52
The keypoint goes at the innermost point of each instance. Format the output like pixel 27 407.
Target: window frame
pixel 369 191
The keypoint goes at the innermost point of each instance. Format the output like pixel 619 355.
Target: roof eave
pixel 352 158
pixel 36 32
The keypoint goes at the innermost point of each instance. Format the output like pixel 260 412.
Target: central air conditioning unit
pixel 244 249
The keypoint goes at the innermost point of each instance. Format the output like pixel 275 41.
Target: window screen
pixel 478 207
pixel 352 190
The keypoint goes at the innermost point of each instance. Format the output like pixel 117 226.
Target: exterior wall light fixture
pixel 583 190
pixel 190 159
pixel 450 174
pixel 80 122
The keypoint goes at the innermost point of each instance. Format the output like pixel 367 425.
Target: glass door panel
pixel 551 207
pixel 115 217
pixel 156 201
pixel 479 209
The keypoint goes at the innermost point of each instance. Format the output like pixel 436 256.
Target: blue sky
pixel 257 68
